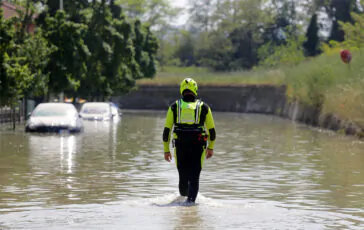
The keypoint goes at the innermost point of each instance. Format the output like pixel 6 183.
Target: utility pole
pixel 60 4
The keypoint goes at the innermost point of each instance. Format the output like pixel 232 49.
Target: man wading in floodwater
pixel 193 137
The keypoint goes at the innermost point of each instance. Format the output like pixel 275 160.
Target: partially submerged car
pixel 99 111
pixel 54 117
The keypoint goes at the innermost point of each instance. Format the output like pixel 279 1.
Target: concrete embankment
pixel 267 99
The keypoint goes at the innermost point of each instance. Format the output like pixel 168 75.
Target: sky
pixel 180 3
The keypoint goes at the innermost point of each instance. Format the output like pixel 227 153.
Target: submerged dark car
pixel 54 117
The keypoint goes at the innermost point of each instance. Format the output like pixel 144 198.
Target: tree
pixel 36 50
pixel 354 32
pixel 201 12
pixel 291 53
pixel 337 10
pixel 91 50
pixel 246 37
pixel 156 13
pixel 168 40
pixel 159 15
pixel 15 75
pixel 311 45
pixel 67 65
pixel 341 12
pixel 6 43
pixel 146 47
pixel 186 51
pixel 218 53
pixel 122 51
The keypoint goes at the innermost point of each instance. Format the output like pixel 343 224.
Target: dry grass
pixel 173 76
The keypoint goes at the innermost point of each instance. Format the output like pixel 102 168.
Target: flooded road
pixel 267 173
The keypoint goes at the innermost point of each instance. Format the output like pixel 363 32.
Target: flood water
pixel 267 173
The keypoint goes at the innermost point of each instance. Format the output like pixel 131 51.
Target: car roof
pixel 56 104
pixel 87 103
pixel 96 104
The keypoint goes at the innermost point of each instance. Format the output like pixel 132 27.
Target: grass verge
pixel 324 81
pixel 174 75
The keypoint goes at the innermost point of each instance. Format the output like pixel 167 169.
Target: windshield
pixel 53 110
pixel 95 109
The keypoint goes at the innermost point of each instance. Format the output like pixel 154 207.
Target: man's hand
pixel 209 153
pixel 168 156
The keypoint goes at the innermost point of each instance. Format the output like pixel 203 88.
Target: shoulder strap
pixel 179 108
pixel 197 111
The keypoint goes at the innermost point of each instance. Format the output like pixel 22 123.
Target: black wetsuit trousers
pixel 189 169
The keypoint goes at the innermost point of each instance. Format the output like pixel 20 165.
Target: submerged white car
pixel 99 111
pixel 54 117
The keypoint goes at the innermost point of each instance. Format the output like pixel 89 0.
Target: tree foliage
pixel 311 45
pixel 354 32
pixel 95 49
pixel 15 75
pixel 227 35
pixel 290 53
pixel 91 49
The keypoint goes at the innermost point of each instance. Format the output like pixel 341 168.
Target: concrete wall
pixel 313 117
pixel 266 99
pixel 247 99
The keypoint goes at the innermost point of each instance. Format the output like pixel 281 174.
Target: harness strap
pixel 197 111
pixel 179 111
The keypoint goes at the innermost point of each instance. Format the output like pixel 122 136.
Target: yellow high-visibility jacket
pixel 195 113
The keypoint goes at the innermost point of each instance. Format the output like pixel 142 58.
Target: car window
pixel 95 109
pixel 53 110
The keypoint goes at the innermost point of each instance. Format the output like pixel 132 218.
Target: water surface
pixel 267 173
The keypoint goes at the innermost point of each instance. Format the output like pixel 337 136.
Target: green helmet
pixel 190 84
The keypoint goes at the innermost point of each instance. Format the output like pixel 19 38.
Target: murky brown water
pixel 267 173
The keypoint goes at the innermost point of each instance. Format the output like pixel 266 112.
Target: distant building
pixel 10 10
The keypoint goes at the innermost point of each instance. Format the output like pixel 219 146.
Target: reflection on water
pixel 267 173
pixel 188 217
pixel 53 152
